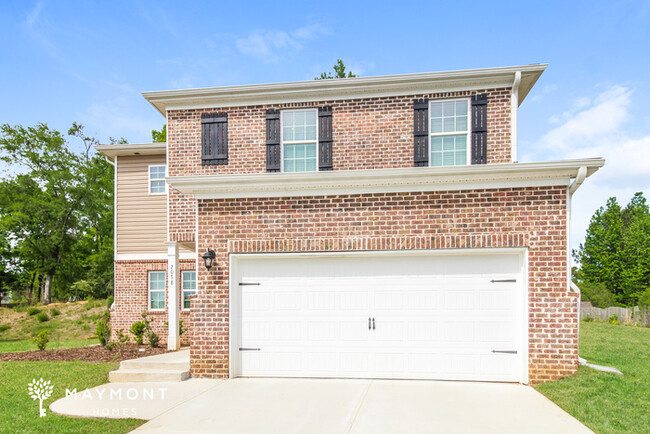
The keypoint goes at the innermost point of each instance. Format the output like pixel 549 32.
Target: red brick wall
pixel 131 297
pixel 370 133
pixel 523 217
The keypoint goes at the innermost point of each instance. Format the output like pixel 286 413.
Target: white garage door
pixel 456 317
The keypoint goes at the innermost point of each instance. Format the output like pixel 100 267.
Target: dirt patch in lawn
pixel 84 354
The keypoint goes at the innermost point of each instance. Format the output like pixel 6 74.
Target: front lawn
pixel 19 413
pixel 608 402
pixel 29 345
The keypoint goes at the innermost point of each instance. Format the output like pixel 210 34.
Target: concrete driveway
pixel 268 405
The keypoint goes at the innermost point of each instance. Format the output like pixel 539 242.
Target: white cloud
pixel 600 127
pixel 34 14
pixel 268 45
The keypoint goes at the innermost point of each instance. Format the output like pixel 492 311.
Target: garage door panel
pixel 435 317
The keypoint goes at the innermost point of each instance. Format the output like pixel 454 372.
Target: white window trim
pixel 149 178
pixel 183 289
pixel 164 291
pixel 468 151
pixel 282 142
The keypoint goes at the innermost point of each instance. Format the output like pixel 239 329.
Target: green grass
pixel 28 345
pixel 19 413
pixel 608 403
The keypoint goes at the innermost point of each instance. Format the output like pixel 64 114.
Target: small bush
pixel 42 317
pixel 613 319
pixel 103 330
pixel 109 301
pixel 33 311
pixel 138 330
pixel 4 327
pixel 153 339
pixel 588 319
pixel 42 339
pixel 55 312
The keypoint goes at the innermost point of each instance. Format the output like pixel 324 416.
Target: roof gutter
pixel 514 114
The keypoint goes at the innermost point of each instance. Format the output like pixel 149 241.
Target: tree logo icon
pixel 40 390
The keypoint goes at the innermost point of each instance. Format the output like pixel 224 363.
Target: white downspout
pixel 514 113
pixel 573 187
pixel 109 161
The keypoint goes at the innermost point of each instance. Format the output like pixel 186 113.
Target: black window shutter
pixel 214 138
pixel 420 132
pixel 479 129
pixel 273 141
pixel 324 138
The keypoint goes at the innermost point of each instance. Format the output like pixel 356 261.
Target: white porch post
pixel 173 299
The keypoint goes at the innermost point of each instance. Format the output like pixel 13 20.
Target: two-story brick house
pixel 376 227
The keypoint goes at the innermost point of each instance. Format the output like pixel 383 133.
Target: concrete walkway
pixel 267 405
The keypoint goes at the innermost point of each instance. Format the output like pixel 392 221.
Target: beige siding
pixel 141 217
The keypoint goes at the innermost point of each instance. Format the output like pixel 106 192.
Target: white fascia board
pixel 151 256
pixel 127 149
pixel 383 180
pixel 349 88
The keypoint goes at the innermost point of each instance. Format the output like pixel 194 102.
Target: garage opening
pixel 458 315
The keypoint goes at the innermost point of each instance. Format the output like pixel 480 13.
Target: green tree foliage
pixel 159 136
pixel 339 72
pixel 55 211
pixel 616 251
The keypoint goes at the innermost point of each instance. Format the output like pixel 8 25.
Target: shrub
pixel 4 327
pixel 103 330
pixel 109 301
pixel 42 317
pixel 588 319
pixel 55 312
pixel 33 311
pixel 153 339
pixel 181 329
pixel 138 330
pixel 597 294
pixel 613 319
pixel 42 339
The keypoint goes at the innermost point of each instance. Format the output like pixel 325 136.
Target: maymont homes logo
pixel 115 401
pixel 40 390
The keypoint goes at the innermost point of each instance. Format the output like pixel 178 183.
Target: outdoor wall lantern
pixel 208 257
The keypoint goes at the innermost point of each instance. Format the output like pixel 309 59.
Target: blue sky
pixel 88 61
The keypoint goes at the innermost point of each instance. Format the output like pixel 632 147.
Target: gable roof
pixel 348 88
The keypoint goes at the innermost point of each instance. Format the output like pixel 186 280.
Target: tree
pixel 159 136
pixel 56 201
pixel 616 251
pixel 339 72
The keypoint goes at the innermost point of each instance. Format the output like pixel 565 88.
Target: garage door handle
pixel 250 349
pixel 373 323
pixel 505 351
pixel 369 323
pixel 503 281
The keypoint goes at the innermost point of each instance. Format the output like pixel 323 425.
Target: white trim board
pixel 348 88
pixel 151 256
pixel 483 176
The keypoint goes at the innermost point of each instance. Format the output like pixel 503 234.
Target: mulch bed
pixel 85 354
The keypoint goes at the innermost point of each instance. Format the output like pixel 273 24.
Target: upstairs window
pixel 300 140
pixel 449 132
pixel 157 184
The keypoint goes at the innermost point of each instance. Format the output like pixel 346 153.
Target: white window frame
pixel 468 132
pixel 293 142
pixel 150 179
pixel 183 290
pixel 149 291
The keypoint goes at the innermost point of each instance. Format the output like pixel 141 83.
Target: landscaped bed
pixel 87 354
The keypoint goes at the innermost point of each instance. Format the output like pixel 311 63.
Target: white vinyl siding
pixel 300 140
pixel 188 282
pixel 157 184
pixel 449 132
pixel 156 290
